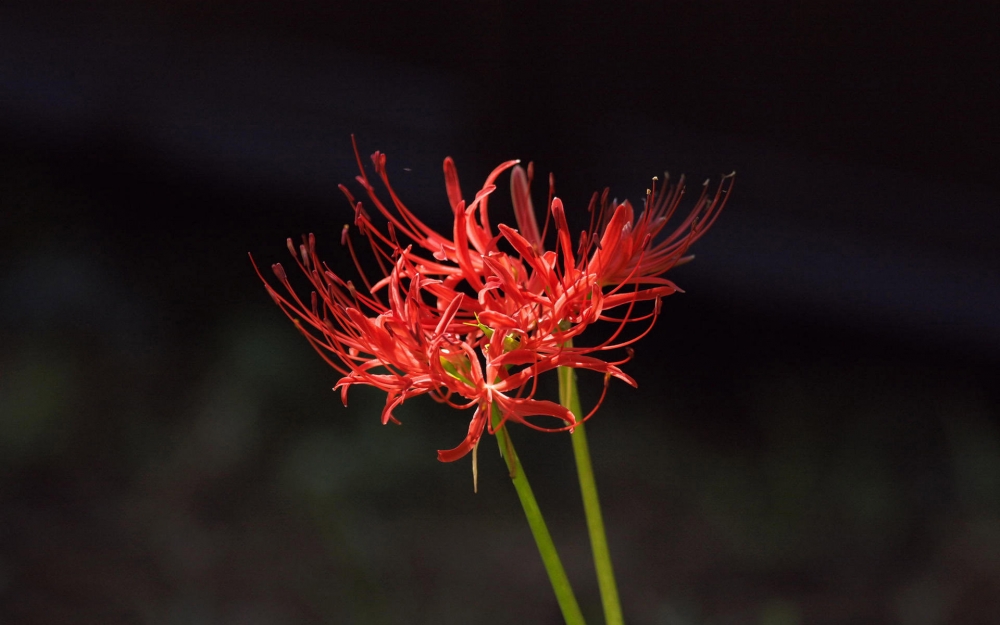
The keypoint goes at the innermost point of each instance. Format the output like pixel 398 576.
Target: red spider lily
pixel 617 264
pixel 490 349
pixel 621 248
pixel 408 348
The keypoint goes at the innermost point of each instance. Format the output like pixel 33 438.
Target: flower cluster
pixel 472 318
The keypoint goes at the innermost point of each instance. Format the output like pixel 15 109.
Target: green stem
pixel 553 566
pixel 570 398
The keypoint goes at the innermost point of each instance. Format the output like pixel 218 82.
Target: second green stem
pixel 570 398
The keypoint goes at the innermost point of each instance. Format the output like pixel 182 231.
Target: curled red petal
pixel 518 410
pixel 476 427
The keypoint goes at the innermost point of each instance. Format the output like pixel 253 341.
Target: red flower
pixel 621 248
pixel 414 331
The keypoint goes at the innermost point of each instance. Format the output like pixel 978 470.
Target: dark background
pixel 816 434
